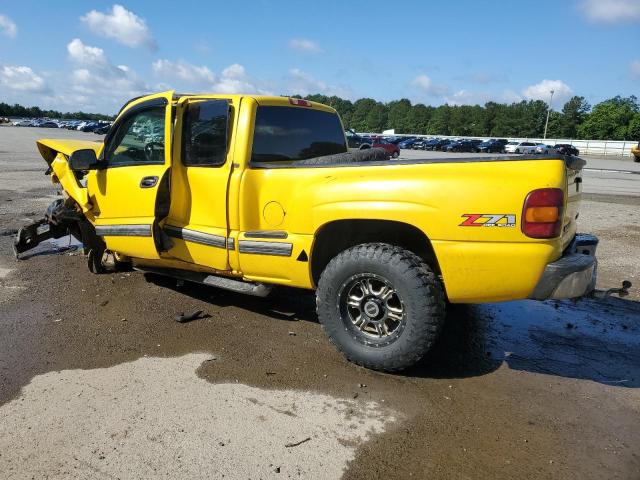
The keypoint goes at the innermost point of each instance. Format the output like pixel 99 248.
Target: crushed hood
pixel 49 148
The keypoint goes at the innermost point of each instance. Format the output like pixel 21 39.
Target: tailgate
pixel 574 167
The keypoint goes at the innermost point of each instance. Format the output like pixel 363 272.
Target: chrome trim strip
pixel 196 236
pixel 231 243
pixel 123 230
pixel 266 234
pixel 266 248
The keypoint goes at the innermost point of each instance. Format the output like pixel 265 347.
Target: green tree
pixel 399 116
pixel 419 117
pixel 633 132
pixel 610 119
pixel 376 119
pixel 440 122
pixel 574 113
pixel 360 110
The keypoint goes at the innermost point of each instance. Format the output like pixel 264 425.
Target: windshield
pixel 295 133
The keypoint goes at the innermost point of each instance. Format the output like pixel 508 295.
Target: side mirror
pixel 83 160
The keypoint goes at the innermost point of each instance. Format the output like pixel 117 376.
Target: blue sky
pixel 95 55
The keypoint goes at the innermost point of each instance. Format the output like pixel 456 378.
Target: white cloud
pixel 121 25
pixel 304 45
pixel 95 77
pixel 8 27
pixel 470 97
pixel 466 97
pixel 234 79
pixel 634 69
pixel 82 54
pixel 192 74
pixel 611 11
pixel 542 91
pixel 427 86
pixel 302 83
pixel 21 78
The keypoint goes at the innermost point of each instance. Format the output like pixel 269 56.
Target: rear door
pixel 129 190
pixel 198 218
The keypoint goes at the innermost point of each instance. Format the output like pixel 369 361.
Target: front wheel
pixel 636 158
pixel 380 305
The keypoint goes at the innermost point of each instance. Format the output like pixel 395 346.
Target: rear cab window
pixel 284 135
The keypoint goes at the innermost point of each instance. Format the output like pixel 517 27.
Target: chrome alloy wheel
pixel 370 305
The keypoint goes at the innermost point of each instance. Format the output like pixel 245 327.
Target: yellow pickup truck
pixel 245 192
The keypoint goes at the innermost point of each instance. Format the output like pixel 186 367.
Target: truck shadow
pixel 597 340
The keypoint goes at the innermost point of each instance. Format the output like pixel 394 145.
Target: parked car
pixel 566 149
pixel 463 146
pixel 635 151
pixel 102 129
pixel 356 141
pixel 438 144
pixel 389 147
pixel 408 143
pixel 520 147
pixel 89 127
pixel 48 124
pixel 24 123
pixel 543 149
pixel 419 145
pixel 492 146
pixel 385 249
pixel 397 140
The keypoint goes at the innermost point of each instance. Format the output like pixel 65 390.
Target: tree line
pixel 615 119
pixel 19 111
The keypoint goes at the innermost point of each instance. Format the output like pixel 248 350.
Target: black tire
pixel 517 150
pixel 636 158
pixel 395 155
pixel 416 290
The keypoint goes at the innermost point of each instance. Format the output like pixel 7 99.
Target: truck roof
pixel 270 100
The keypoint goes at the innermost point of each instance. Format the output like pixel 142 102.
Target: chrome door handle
pixel 148 182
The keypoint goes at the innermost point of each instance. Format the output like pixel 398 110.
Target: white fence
pixel 586 147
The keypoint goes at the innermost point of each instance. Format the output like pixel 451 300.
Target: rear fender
pixel 56 153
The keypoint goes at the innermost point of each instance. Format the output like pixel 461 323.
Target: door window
pixel 139 139
pixel 204 137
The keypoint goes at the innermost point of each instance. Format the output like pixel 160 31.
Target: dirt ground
pixel 98 380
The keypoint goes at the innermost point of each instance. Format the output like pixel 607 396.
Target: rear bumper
pixel 573 275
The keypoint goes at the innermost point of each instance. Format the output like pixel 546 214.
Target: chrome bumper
pixel 572 275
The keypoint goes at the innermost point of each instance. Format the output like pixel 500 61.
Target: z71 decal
pixel 488 220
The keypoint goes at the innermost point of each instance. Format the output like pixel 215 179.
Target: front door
pixel 129 191
pixel 198 218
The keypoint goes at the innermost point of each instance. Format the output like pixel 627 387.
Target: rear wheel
pixel 380 305
pixel 636 158
pixel 395 154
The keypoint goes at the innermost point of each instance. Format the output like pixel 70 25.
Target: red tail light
pixel 299 102
pixel 542 213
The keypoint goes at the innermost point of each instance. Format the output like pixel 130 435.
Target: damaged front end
pixel 61 218
pixel 65 216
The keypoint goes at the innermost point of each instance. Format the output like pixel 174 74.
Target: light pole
pixel 546 124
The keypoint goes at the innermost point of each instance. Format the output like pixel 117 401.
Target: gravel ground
pixel 98 380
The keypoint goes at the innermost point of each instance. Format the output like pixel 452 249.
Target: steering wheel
pixel 152 149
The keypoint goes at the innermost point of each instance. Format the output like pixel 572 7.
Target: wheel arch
pixel 336 236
